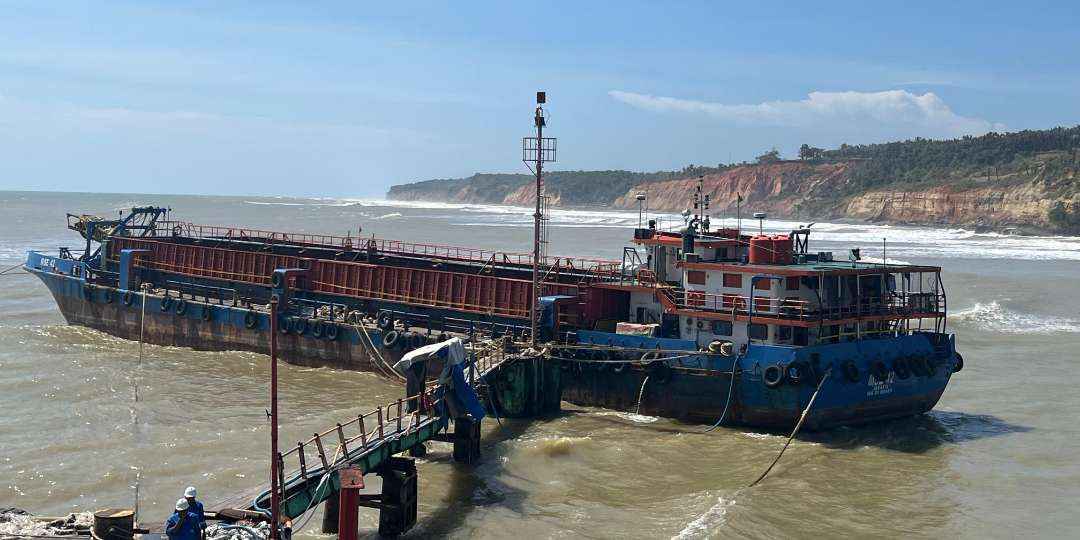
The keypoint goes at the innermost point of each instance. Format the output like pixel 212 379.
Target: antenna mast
pixel 537 150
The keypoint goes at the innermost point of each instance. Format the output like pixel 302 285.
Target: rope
pixel 382 361
pixel 802 418
pixel 6 270
pixel 727 404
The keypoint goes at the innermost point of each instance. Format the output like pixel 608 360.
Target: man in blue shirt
pixel 182 524
pixel 194 506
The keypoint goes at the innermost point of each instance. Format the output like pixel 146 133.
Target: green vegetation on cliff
pixel 924 161
pixel 918 163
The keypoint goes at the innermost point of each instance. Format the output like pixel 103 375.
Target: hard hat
pixel 181 504
pixel 190 491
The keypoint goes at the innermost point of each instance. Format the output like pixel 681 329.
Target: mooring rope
pixel 798 425
pixel 6 270
pixel 371 345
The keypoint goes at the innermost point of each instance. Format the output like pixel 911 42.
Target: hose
pixel 731 388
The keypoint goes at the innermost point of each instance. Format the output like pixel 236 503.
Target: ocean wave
pixel 707 522
pixel 389 216
pixel 275 203
pixel 994 317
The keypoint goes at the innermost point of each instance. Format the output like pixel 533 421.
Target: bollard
pixel 114 524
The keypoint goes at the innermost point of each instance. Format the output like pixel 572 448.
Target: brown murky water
pixel 995 459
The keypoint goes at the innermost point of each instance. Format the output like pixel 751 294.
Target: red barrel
pixel 783 249
pixel 761 250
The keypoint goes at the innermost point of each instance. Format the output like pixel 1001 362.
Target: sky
pixel 344 99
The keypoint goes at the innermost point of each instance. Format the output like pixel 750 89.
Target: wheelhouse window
pixel 791 283
pixel 783 333
pixel 721 328
pixel 733 280
pixel 758 331
pixel 695 277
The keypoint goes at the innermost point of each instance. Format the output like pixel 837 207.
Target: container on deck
pixel 761 250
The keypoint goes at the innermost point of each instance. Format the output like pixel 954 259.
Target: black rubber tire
pixel 660 371
pixel 181 306
pixel 207 312
pixel 621 366
pixel 277 280
pixel 107 294
pixel 443 337
pixel 959 365
pixel 318 329
pixel 332 331
pixel 851 371
pixel 417 340
pixel 600 359
pixel 796 372
pixel 879 370
pixel 901 367
pixel 917 365
pixel 931 365
pixel 391 339
pixel 251 319
pixel 773 375
pixel 128 298
pixel 166 303
pixel 283 325
pixel 385 320
pixel 299 326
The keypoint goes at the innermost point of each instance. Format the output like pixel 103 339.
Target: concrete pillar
pixel 466 440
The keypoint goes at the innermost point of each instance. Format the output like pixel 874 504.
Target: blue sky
pixel 344 99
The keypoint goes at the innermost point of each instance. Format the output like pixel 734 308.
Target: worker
pixel 182 524
pixel 196 507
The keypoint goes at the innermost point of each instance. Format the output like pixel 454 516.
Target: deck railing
pixel 365 432
pixel 892 305
pixel 588 268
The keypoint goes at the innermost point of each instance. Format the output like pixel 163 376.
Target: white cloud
pixel 926 112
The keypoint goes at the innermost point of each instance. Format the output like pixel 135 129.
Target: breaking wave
pixel 994 317
pixel 706 522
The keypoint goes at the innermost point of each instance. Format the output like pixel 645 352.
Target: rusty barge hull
pixel 92 307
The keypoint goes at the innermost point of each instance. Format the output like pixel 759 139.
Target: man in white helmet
pixel 195 507
pixel 182 524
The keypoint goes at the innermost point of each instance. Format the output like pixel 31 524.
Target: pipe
pixel 275 501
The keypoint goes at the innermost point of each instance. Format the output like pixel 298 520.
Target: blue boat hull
pixel 696 388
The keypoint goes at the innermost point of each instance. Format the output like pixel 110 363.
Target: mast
pixel 536 151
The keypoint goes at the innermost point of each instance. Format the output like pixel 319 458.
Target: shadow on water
pixel 916 434
pixel 472 486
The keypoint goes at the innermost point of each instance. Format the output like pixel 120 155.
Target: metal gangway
pixel 311 472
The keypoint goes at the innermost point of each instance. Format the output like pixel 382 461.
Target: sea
pixel 997 458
